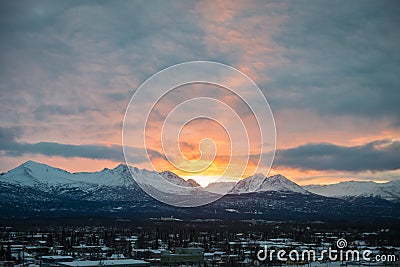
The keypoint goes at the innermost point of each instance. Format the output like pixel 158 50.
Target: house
pixel 183 256
pixel 106 263
pixel 47 261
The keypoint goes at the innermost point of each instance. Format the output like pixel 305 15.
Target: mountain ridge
pixel 389 190
pixel 113 192
pixel 31 173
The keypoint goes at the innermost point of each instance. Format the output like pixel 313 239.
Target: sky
pixel 329 70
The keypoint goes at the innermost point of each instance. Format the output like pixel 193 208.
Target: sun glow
pixel 203 181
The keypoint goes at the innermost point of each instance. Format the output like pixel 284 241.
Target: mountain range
pixel 388 190
pixel 35 188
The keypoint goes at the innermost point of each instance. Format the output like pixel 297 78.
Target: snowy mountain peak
pixel 37 166
pixel 47 178
pixel 31 163
pixel 121 167
pixel 33 173
pixel 279 177
pixel 249 184
pixel 389 191
pixel 175 179
pixel 258 183
pixel 280 183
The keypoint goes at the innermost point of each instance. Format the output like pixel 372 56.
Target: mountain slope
pixel 44 182
pixel 281 184
pixel 259 183
pixel 44 178
pixel 220 187
pixel 35 189
pixel 389 191
pixel 32 173
pixel 248 185
pixel 175 179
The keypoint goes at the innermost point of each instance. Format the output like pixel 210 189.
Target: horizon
pixel 329 73
pixel 200 182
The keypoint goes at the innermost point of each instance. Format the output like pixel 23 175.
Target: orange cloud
pixel 233 29
pixel 188 151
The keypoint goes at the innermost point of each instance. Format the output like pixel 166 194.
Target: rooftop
pixel 128 262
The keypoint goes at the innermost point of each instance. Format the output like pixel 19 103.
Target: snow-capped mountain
pixel 35 189
pixel 248 185
pixel 281 184
pixel 33 173
pixel 113 184
pixel 259 183
pixel 175 179
pixel 388 191
pixel 106 184
pixel 37 174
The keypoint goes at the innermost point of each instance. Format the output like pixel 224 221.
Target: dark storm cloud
pixel 339 59
pixel 334 59
pixel 379 155
pixel 13 148
pixel 44 111
pixel 87 54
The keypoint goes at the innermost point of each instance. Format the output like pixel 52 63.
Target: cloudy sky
pixel 330 71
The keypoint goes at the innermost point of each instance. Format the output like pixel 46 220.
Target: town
pixel 171 241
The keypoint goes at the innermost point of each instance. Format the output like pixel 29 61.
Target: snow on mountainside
pixel 249 184
pixel 34 189
pixel 44 177
pixel 220 187
pixel 388 191
pixel 42 182
pixel 36 174
pixel 48 179
pixel 33 174
pixel 259 183
pixel 175 179
pixel 282 184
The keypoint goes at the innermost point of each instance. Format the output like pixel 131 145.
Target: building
pixel 47 261
pixel 106 263
pixel 183 256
